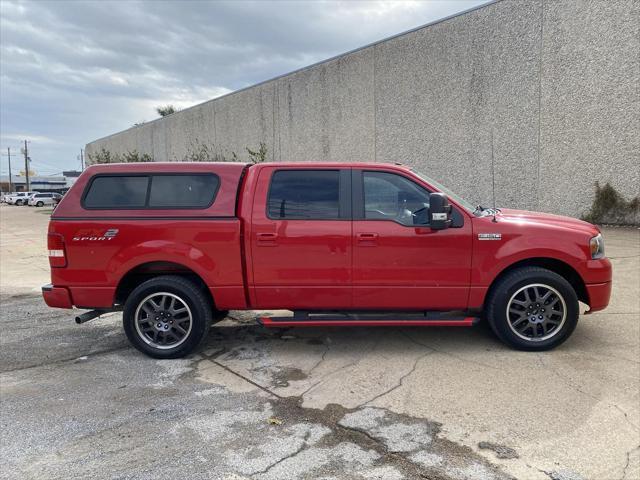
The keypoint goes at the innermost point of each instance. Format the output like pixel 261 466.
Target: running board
pixel 429 319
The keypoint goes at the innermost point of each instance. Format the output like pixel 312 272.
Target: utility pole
pixel 26 164
pixel 10 182
pixel 81 160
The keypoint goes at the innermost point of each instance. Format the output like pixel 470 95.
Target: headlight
pixel 596 245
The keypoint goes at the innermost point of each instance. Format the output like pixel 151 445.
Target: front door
pixel 399 262
pixel 301 238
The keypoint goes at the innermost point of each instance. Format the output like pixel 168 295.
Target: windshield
pixel 458 199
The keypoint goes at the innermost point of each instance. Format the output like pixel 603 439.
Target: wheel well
pixel 558 266
pixel 144 272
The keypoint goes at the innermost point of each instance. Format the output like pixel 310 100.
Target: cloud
pixel 71 71
pixel 21 137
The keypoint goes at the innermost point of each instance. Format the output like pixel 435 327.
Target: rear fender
pixel 161 251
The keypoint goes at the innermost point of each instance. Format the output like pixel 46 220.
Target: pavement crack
pixel 348 365
pixel 449 354
pixel 567 381
pixel 246 379
pixel 65 360
pixel 324 354
pixel 548 474
pixel 299 450
pixel 626 465
pixel 400 381
pixel 323 378
pixel 396 459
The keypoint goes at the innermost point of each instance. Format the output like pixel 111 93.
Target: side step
pixel 403 319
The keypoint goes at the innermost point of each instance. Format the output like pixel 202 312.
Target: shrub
pixel 259 155
pixel 103 156
pixel 609 207
pixel 135 157
pixel 202 152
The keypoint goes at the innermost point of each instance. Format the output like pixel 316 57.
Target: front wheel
pixel 39 204
pixel 532 309
pixel 18 202
pixel 167 317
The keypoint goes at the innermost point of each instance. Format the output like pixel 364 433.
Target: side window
pixel 165 191
pixel 183 191
pixel 117 192
pixel 388 196
pixel 304 194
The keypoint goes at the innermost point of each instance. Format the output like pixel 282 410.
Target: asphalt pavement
pixel 350 403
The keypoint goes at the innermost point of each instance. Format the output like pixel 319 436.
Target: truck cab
pixel 336 243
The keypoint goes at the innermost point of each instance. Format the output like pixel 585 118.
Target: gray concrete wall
pixel 555 83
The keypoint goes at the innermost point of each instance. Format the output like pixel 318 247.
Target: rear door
pixel 399 262
pixel 301 238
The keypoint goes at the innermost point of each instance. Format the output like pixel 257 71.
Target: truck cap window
pixel 117 192
pixel 157 191
pixel 304 194
pixel 183 191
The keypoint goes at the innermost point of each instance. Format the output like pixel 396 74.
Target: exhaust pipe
pixel 86 316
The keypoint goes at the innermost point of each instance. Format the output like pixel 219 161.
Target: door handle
pixel 367 237
pixel 267 238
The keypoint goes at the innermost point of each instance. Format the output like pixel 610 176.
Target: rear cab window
pixel 151 191
pixel 308 195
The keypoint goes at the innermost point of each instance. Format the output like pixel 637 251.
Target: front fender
pixel 491 257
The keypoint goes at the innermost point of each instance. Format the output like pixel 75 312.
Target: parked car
pixel 19 198
pixel 6 195
pixel 41 199
pixel 176 245
pixel 28 199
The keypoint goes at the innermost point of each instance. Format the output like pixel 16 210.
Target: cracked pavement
pixel 385 403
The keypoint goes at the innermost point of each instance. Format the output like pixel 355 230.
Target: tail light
pixel 57 256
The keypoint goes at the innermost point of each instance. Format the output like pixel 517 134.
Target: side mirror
pixel 440 211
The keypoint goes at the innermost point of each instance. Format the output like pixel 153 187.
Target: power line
pixel 44 166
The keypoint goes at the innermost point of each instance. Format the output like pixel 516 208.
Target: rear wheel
pixel 167 317
pixel 533 309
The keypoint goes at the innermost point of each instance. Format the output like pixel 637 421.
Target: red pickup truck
pixel 177 245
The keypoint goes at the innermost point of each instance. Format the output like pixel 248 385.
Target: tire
pixel 18 202
pixel 149 306
pixel 532 309
pixel 39 204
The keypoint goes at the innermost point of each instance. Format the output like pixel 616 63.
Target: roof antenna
pixel 493 180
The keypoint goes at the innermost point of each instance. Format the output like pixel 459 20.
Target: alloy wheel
pixel 163 320
pixel 536 312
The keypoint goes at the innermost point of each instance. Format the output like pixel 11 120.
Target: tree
pixel 165 110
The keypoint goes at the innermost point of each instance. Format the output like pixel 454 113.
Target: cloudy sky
pixel 73 71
